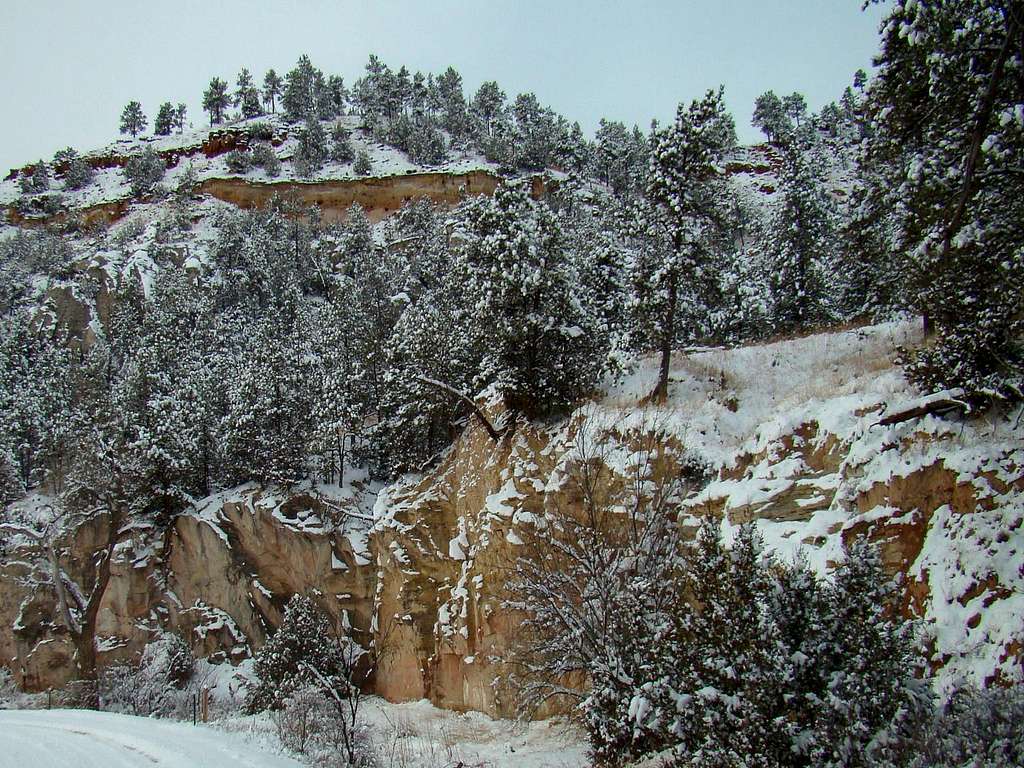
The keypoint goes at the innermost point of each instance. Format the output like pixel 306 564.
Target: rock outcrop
pixel 423 575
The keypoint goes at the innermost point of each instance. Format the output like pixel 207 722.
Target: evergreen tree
pixel 305 93
pixel 341 145
pixel 487 105
pixel 179 117
pixel 143 171
pixel 77 172
pixel 271 89
pixel 771 116
pixel 37 181
pixel 540 352
pixel 164 120
pixel 313 150
pixel 871 693
pixel 945 106
pixel 797 244
pixel 133 120
pixel 216 100
pixel 683 192
pixel 362 166
pixel 297 655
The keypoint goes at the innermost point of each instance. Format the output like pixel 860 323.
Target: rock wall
pixel 944 501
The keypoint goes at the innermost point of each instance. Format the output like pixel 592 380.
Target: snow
pixel 84 738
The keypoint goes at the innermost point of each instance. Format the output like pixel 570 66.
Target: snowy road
pixel 83 739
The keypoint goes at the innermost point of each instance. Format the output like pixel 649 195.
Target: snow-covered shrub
pixel 260 132
pixel 157 686
pixel 143 171
pixel 341 145
pixel 77 172
pixel 37 181
pixel 239 161
pixel 362 165
pixel 263 156
pixel 976 728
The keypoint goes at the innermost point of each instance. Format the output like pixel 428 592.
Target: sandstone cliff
pixel 792 433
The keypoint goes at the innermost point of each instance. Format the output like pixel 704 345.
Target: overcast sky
pixel 67 67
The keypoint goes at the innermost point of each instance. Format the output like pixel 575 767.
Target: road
pixel 84 739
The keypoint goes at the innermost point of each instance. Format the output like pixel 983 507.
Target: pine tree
pixel 305 93
pixel 945 106
pixel 298 654
pixel 540 353
pixel 133 120
pixel 313 151
pixel 37 181
pixel 179 117
pixel 216 100
pixel 487 105
pixel 164 120
pixel 271 89
pixel 143 171
pixel 797 244
pixel 362 166
pixel 770 116
pixel 341 144
pixel 871 691
pixel 683 189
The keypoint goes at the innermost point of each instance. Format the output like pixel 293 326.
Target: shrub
pixel 263 156
pixel 362 165
pixel 260 132
pixel 239 161
pixel 77 172
pixel 143 171
pixel 156 686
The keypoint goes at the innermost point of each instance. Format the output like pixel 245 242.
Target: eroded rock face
pixel 944 501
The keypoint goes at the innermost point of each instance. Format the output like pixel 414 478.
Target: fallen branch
pixel 495 435
pixel 935 405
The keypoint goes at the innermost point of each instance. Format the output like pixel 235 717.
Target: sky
pixel 68 67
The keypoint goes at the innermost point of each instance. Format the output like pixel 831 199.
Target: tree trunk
pixel 668 333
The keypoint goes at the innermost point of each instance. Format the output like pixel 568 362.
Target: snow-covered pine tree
pixel 947 120
pixel 871 694
pixel 771 117
pixel 164 119
pixel 797 246
pixel 216 100
pixel 133 120
pixel 247 97
pixel 722 697
pixel 272 86
pixel 179 117
pixel 143 170
pixel 305 94
pixel 313 150
pixel 539 351
pixel 37 181
pixel 302 650
pixel 488 103
pixel 685 211
pixel 451 104
pixel 362 166
pixel 341 144
pixel 613 155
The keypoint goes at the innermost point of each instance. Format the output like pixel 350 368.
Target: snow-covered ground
pixel 82 739
pixel 412 735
